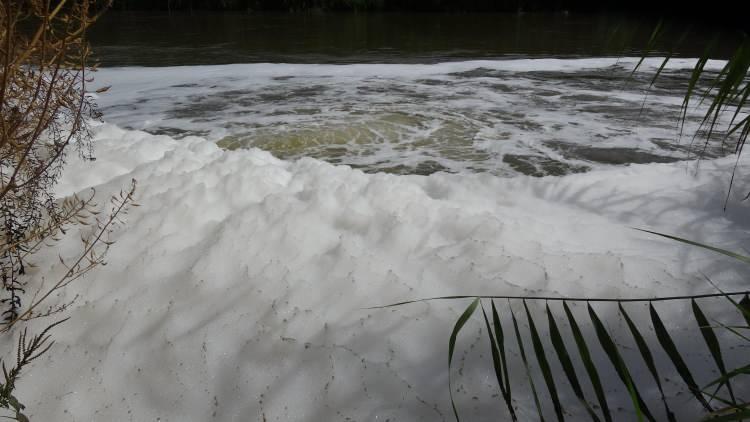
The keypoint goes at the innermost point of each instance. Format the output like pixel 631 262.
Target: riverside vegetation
pixel 45 116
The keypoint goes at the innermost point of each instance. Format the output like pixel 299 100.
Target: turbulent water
pixel 531 116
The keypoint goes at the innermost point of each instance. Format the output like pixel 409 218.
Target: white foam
pixel 238 289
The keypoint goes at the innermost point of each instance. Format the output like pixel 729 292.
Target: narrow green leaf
pixel 613 354
pixel 674 355
pixel 647 358
pixel 452 344
pixel 722 400
pixel 741 105
pixel 734 331
pixel 563 299
pixel 744 124
pixel 736 256
pixel 716 82
pixel 498 365
pixel 14 403
pixel 500 339
pixel 585 354
pixel 694 78
pixel 664 62
pixel 736 416
pixel 541 357
pixel 526 364
pixel 736 71
pixel 740 125
pixel 744 310
pixel 660 69
pixel 567 364
pixel 711 342
pixel 459 325
pixel 745 307
pixel 743 370
pixel 669 56
pixel 649 46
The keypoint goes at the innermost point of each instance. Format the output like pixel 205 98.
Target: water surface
pixel 404 93
pixel 161 39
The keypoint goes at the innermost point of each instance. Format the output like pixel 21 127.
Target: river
pixel 537 94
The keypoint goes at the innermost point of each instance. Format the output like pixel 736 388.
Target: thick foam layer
pixel 238 289
pixel 533 116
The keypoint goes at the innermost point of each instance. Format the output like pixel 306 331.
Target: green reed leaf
pixel 452 344
pixel 731 254
pixel 647 358
pixel 588 363
pixel 564 357
pixel 743 370
pixel 500 340
pixel 541 357
pixel 649 46
pixel 674 355
pixel 712 342
pixel 496 362
pixel 744 306
pixel 526 364
pixel 610 349
pixel 738 415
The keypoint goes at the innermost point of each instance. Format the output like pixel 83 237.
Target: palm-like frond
pixel 619 359
pixel 728 97
pixel 574 380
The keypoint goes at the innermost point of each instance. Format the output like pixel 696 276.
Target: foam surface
pixel 237 290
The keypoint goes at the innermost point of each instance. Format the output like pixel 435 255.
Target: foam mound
pixel 238 289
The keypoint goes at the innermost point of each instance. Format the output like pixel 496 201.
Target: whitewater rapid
pixel 239 289
pixel 505 117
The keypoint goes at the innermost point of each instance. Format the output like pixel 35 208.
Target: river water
pixel 537 94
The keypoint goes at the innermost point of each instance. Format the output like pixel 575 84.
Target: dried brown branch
pixel 45 113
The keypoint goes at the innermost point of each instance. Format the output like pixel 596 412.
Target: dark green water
pixel 160 39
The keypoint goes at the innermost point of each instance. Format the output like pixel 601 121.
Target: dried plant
pixel 27 352
pixel 45 113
